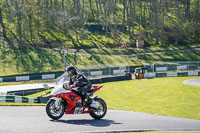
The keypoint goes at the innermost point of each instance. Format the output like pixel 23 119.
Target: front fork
pixel 57 102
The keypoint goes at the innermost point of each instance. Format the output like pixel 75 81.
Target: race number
pixel 78 110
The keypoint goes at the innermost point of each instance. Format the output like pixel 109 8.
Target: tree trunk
pixel 3 27
pixel 97 6
pixel 155 11
pixel 90 2
pixel 19 25
pixel 124 15
pixel 132 8
pixel 63 5
pixel 188 9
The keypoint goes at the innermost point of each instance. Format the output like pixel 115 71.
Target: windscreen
pixel 63 78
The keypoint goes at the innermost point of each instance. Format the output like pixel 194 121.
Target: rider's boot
pixel 84 102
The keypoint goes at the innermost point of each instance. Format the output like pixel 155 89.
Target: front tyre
pixel 101 111
pixel 54 113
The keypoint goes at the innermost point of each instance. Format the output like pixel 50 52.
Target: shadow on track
pixel 93 122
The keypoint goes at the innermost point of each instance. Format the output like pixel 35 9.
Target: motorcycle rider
pixel 84 86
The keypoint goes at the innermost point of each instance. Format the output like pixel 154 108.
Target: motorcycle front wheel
pixel 54 113
pixel 101 111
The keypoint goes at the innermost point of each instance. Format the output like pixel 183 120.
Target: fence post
pixel 109 71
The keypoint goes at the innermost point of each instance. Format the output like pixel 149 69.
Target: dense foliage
pixel 61 23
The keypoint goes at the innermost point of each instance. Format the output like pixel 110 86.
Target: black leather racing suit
pixel 83 84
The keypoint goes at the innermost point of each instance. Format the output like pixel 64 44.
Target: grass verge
pixel 165 96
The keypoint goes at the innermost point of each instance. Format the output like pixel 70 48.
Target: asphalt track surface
pixel 29 119
pixel 193 82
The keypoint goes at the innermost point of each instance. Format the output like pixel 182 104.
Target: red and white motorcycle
pixel 69 102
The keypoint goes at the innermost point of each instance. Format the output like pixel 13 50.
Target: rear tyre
pixel 54 113
pixel 101 112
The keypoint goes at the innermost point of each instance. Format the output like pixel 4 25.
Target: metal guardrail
pixel 173 66
pixel 88 72
pixel 171 74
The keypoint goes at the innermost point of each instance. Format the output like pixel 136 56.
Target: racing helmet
pixel 71 70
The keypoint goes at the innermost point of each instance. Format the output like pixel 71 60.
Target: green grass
pixel 178 56
pixel 120 51
pixel 166 96
pixel 17 62
pixel 42 93
pixel 31 60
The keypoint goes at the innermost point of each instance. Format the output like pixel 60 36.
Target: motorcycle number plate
pixel 78 110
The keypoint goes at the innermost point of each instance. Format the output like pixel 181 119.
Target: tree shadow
pixel 93 122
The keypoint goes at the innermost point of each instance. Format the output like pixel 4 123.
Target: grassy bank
pixel 177 56
pixel 32 60
pixel 15 62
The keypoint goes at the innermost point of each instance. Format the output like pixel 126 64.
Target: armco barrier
pixel 172 74
pixel 182 74
pixel 53 75
pixel 111 79
pixel 161 74
pixel 17 99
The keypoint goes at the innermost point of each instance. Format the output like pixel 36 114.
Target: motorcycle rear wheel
pixel 101 112
pixel 52 112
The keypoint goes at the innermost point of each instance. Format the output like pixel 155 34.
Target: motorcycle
pixel 67 101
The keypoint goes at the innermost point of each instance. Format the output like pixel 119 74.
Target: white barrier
pixel 22 78
pixel 118 71
pixel 48 76
pixel 149 75
pixel 2 99
pixel 183 67
pixel 193 73
pixel 30 100
pixel 161 69
pixel 94 73
pixel 18 99
pixel 172 74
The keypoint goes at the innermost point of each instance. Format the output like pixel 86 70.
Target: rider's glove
pixel 66 86
pixel 72 86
